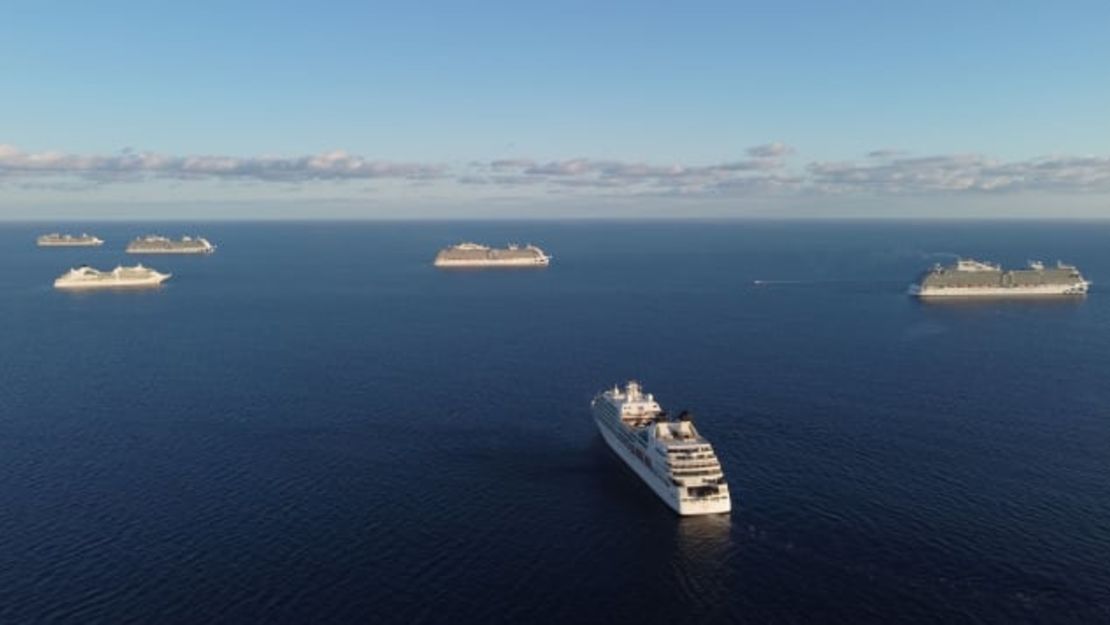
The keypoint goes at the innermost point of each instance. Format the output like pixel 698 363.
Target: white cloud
pixel 960 173
pixel 620 175
pixel 885 153
pixel 774 149
pixel 335 165
pixel 512 163
pixel 763 171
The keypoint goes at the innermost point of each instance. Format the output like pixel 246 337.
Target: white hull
pixel 88 285
pixel 1048 290
pixel 79 244
pixel 654 481
pixel 515 262
pixel 185 251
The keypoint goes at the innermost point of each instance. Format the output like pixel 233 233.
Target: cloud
pixel 584 175
pixel 573 167
pixel 884 172
pixel 512 163
pixel 624 177
pixel 774 149
pixel 761 171
pixel 129 164
pixel 960 173
pixel 885 153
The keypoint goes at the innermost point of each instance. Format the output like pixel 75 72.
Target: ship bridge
pixel 636 408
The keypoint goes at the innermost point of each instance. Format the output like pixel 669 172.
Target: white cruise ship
pixel 153 244
pixel 474 255
pixel 85 277
pixel 676 462
pixel 972 278
pixel 68 240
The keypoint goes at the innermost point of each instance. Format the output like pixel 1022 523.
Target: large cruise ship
pixel 68 240
pixel 671 457
pixel 153 244
pixel 474 255
pixel 972 278
pixel 85 277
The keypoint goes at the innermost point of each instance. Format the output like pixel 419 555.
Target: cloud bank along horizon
pixel 771 168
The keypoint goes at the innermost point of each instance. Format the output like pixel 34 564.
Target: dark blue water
pixel 313 425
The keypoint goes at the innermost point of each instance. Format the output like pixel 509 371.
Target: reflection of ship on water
pixel 704 535
pixel 703 563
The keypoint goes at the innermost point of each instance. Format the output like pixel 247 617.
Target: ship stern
pixel 699 507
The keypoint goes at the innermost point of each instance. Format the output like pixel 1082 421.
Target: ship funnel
pixel 633 388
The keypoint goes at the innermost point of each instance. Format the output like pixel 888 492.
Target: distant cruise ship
pixel 676 462
pixel 474 255
pixel 85 277
pixel 971 278
pixel 68 240
pixel 161 245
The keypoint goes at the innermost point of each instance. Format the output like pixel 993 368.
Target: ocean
pixel 314 425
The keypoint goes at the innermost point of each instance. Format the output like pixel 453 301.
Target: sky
pixel 239 110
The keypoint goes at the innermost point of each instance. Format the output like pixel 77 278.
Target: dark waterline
pixel 314 425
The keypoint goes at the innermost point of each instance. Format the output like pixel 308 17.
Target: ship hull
pixel 93 285
pixel 666 493
pixel 171 251
pixel 1048 290
pixel 77 244
pixel 522 262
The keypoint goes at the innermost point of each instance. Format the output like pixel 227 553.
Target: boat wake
pixel 772 282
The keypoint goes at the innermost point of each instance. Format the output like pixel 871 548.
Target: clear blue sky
pixel 452 87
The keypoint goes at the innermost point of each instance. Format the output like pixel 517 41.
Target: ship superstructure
pixel 474 255
pixel 55 239
pixel 670 456
pixel 86 277
pixel 972 278
pixel 153 244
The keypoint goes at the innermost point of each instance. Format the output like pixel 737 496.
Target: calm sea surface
pixel 313 425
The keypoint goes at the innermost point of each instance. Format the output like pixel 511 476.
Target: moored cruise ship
pixel 85 277
pixel 68 240
pixel 671 457
pixel 474 255
pixel 972 278
pixel 153 244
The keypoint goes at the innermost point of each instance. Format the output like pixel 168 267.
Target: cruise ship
pixel 86 277
pixel 474 255
pixel 670 456
pixel 972 278
pixel 153 244
pixel 68 240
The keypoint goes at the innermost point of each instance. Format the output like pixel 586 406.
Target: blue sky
pixel 241 109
